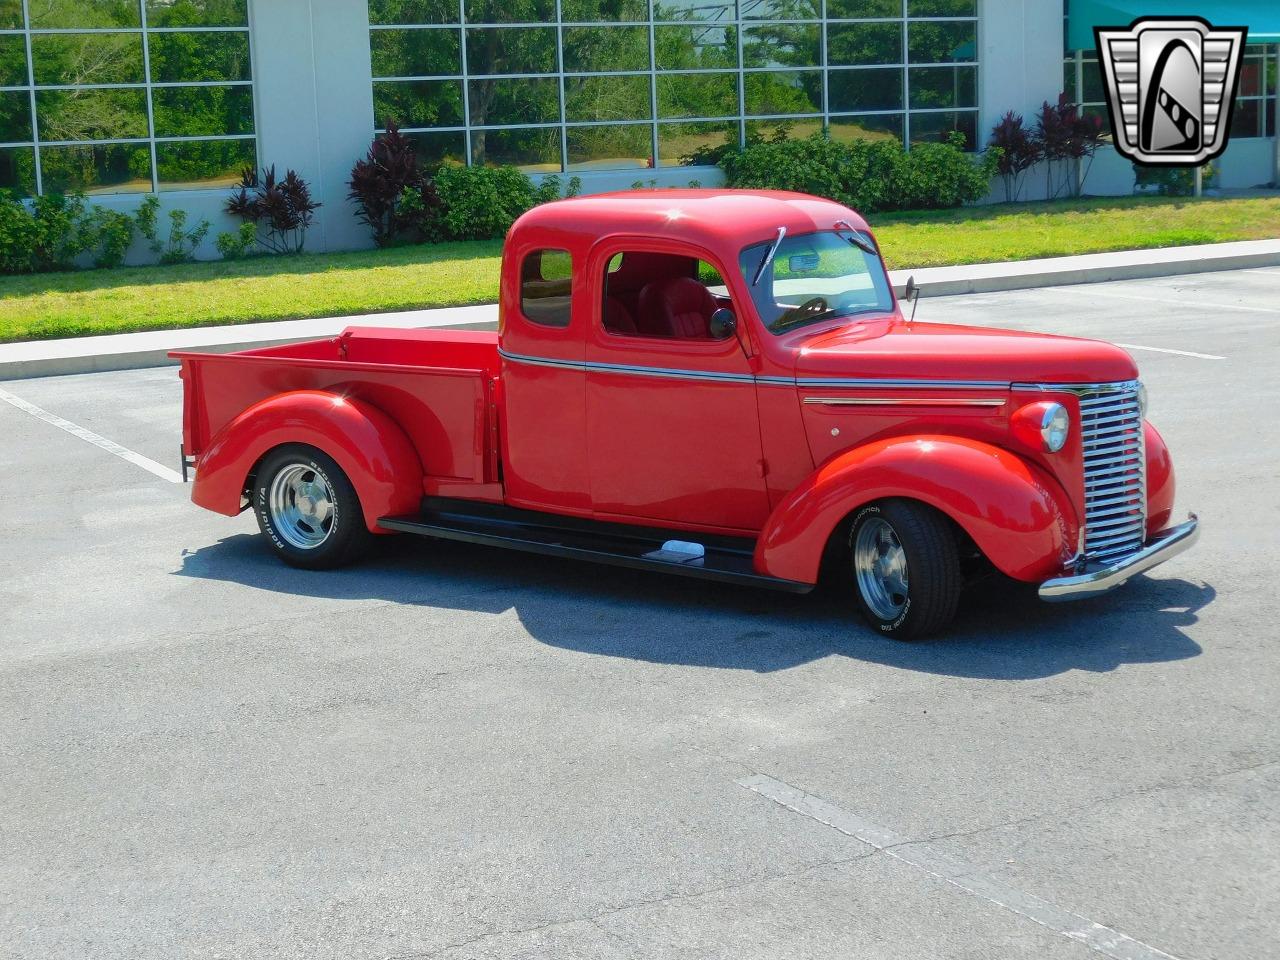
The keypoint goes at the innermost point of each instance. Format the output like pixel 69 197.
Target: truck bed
pixel 437 384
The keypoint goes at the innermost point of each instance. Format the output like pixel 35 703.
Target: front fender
pixel 367 444
pixel 1018 515
pixel 1160 481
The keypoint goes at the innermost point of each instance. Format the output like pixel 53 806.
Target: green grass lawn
pixel 318 285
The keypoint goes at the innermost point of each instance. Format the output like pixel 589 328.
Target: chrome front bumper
pixel 1094 582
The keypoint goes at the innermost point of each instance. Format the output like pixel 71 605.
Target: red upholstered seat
pixel 617 318
pixel 676 307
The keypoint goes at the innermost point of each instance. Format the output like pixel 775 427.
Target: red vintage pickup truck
pixel 713 383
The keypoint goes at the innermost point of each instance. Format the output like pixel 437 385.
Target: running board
pixel 727 560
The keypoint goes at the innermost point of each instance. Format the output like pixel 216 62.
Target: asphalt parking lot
pixel 454 752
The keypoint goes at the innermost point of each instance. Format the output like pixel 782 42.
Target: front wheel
pixel 906 568
pixel 307 509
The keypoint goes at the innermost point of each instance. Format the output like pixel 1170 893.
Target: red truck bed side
pixel 437 385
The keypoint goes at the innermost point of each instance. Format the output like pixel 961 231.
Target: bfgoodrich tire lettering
pixel 905 568
pixel 307 509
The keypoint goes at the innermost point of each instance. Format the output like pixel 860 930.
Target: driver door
pixel 673 431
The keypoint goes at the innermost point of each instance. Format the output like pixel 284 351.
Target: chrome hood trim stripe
pixel 1078 387
pixel 856 383
pixel 907 401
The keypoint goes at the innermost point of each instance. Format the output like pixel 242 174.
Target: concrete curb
pixel 48 358
pixel 1091 268
pixel 130 351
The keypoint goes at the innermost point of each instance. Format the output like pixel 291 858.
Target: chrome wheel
pixel 302 505
pixel 880 565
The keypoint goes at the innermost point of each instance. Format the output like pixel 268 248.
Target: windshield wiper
pixel 768 257
pixel 855 238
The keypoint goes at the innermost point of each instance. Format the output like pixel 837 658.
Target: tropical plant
pixel 1019 151
pixel 1087 135
pixel 281 210
pixel 1054 131
pixel 392 194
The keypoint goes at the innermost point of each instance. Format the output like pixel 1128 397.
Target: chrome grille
pixel 1115 471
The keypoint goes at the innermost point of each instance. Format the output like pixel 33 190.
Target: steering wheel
pixel 806 311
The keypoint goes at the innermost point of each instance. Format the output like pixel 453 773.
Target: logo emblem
pixel 1171 84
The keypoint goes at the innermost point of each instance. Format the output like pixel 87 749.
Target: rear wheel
pixel 307 509
pixel 906 568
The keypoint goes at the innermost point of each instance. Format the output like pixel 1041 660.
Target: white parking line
pixel 124 453
pixel 1180 353
pixel 1169 300
pixel 967 877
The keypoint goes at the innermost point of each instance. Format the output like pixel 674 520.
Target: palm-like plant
pixel 281 209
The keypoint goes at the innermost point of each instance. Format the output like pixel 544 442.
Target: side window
pixel 661 295
pixel 546 282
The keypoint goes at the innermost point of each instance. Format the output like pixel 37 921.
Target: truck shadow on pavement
pixel 1003 631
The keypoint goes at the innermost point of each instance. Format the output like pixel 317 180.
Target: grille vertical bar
pixel 1115 471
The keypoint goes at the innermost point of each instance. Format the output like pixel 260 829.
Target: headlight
pixel 1142 400
pixel 1055 425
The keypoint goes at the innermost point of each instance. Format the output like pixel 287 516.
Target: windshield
pixel 813 277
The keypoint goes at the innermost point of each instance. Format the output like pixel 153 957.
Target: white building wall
pixel 1020 54
pixel 313 97
pixel 314 94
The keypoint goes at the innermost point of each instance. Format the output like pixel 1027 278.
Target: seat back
pixel 617 318
pixel 676 307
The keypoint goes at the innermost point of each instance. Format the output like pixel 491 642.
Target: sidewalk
pixel 44 358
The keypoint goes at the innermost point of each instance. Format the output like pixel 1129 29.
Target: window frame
pixel 621 246
pixel 573 276
pixel 662 127
pixel 145 31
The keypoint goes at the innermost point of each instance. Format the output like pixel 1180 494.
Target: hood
pixel 894 349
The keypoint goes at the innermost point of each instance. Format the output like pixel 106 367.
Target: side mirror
pixel 722 324
pixel 911 293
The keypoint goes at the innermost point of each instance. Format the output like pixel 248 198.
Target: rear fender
pixel 1018 515
pixel 366 443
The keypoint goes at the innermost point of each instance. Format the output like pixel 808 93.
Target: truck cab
pixel 712 383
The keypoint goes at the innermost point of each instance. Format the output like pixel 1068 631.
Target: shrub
pixel 1172 181
pixel 937 176
pixel 179 246
pixel 481 203
pixel 48 233
pixel 1019 152
pixel 110 234
pixel 238 244
pixel 392 194
pixel 17 236
pixel 868 175
pixel 280 210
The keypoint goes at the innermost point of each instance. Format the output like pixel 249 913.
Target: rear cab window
pixel 546 286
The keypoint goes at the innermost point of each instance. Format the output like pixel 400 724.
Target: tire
pixel 307 509
pixel 905 568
